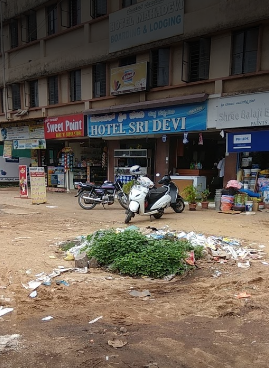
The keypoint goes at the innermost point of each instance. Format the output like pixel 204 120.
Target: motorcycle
pixel 147 200
pixel 89 195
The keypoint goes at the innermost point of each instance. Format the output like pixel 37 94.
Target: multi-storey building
pixel 168 84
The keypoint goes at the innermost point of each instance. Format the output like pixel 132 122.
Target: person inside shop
pixel 221 167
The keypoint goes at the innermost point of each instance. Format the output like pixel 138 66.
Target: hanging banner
pixel 38 186
pixel 7 153
pixel 29 144
pixel 23 181
pixel 27 131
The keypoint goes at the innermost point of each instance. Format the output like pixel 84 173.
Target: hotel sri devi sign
pixel 164 120
pixel 145 22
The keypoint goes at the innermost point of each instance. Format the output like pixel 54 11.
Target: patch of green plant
pixel 127 186
pixel 109 245
pixel 132 253
pixel 65 247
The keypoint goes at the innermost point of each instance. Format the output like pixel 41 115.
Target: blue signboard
pixel 162 120
pixel 256 141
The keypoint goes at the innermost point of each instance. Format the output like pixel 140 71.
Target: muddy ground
pixel 194 321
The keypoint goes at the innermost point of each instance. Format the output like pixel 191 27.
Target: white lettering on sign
pixel 55 127
pixel 73 125
pixel 242 138
pixel 139 127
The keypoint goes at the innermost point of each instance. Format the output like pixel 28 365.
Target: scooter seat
pixel 155 194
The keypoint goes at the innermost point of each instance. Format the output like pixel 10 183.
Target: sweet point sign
pixel 163 120
pixel 68 126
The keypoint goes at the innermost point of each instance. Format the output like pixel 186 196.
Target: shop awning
pixel 247 141
pixel 172 101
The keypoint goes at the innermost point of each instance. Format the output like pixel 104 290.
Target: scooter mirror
pixel 158 174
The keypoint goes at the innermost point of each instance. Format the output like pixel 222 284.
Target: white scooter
pixel 147 200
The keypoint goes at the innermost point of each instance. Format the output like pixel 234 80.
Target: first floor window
pixel 14 33
pixel 75 12
pixel 52 19
pixel 33 86
pixel 99 80
pixel 31 26
pixel 126 3
pixel 75 85
pixel 98 8
pixel 244 51
pixel 160 67
pixel 196 60
pixel 53 90
pixel 16 96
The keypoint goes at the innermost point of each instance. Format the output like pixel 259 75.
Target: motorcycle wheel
pixel 158 215
pixel 123 200
pixel 128 217
pixel 179 206
pixel 86 204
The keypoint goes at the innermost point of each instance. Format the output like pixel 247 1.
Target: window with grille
pixel 53 90
pixel 127 60
pixel 74 12
pixel 196 60
pixel 31 26
pixel 99 80
pixel 126 3
pixel 75 85
pixel 33 87
pixel 14 35
pixel 16 96
pixel 52 19
pixel 2 100
pixel 98 8
pixel 160 60
pixel 244 51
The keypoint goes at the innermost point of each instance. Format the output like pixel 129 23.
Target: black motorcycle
pixel 89 195
pixel 177 202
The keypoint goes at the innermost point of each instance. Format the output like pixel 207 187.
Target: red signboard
pixel 23 181
pixel 68 126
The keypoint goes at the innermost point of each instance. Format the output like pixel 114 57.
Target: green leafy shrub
pixel 127 186
pixel 132 253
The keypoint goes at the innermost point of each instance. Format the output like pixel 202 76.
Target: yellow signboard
pixel 129 78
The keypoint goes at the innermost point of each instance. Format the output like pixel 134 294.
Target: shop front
pixel 70 156
pixel 245 119
pixel 161 136
pixel 20 144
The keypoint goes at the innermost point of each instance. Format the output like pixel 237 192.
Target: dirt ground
pixel 190 322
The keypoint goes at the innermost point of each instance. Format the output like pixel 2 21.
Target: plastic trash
pixel 48 318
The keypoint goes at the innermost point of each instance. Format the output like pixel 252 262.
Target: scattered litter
pixel 265 263
pixel 4 311
pixel 95 320
pixel 216 273
pixel 32 285
pixel 244 294
pixel 140 294
pixel 33 294
pixel 46 283
pixel 52 257
pixel 28 272
pixel 117 343
pixel 48 318
pixel 221 331
pixel 51 206
pixel 243 265
pixel 63 282
pixel 69 257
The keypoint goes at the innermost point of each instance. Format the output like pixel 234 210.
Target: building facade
pixel 140 72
